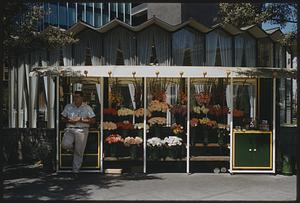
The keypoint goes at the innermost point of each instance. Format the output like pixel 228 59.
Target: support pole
pixel 188 127
pixel 101 123
pixel 230 117
pixel 274 124
pixel 145 125
pixel 57 123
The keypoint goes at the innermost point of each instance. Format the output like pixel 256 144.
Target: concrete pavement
pixel 161 186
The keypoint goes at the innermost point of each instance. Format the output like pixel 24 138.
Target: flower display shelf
pixel 210 158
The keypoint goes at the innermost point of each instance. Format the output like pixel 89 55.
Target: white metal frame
pixel 162 71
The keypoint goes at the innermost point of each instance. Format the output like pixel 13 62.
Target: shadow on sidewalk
pixel 36 183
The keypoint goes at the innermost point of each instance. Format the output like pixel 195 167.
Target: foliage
pixel 21 20
pixel 245 14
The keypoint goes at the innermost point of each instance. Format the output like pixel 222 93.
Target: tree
pixel 245 14
pixel 20 21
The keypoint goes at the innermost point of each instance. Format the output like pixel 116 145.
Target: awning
pixel 165 71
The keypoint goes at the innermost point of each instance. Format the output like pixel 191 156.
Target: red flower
pixel 111 111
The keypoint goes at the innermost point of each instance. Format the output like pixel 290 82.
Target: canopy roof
pixel 164 71
pixel 257 32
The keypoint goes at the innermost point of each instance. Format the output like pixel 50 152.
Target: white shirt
pixel 71 111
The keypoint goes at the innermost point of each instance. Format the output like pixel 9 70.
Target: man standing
pixel 78 117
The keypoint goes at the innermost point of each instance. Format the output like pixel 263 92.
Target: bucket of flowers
pixel 125 114
pixel 113 141
pixel 179 111
pixel 108 127
pixel 174 146
pixel 178 130
pixel 156 125
pixel 109 114
pixel 194 123
pixel 139 115
pixel 154 146
pixel 124 127
pixel 139 127
pixel 208 135
pixel 133 143
pixel 158 108
pixel 217 112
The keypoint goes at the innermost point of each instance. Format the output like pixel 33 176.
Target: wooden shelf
pixel 210 145
pixel 125 158
pixel 210 158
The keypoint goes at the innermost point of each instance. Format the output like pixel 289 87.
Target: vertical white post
pixel 188 128
pixel 274 123
pixel 57 123
pixel 11 87
pixel 231 122
pixel 101 123
pixel 145 124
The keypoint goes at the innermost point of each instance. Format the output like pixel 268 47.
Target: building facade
pixel 175 13
pixel 64 15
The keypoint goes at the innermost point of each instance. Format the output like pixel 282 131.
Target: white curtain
pixel 54 57
pixel 95 42
pixel 12 99
pixel 21 75
pixel 183 39
pixel 98 89
pixel 250 51
pixel 67 55
pixel 225 43
pixel 50 103
pixel 123 39
pixel 132 92
pixel 211 48
pixel 162 43
pixel 239 50
pixel 169 101
pixel 252 101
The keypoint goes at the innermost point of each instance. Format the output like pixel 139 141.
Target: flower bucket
pixel 175 152
pixel 133 151
pixel 109 117
pixel 140 133
pixel 213 136
pixel 139 119
pixel 123 132
pixel 159 114
pixel 193 133
pixel 113 150
pixel 156 131
pixel 125 118
pixel 153 153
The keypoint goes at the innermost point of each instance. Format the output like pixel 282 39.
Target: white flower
pixel 140 126
pixel 173 141
pixel 125 112
pixel 155 142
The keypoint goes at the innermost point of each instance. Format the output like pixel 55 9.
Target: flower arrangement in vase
pixel 109 114
pixel 109 126
pixel 133 143
pixel 208 133
pixel 177 129
pixel 154 146
pixel 139 129
pixel 158 108
pixel 139 115
pixel 179 111
pixel 125 114
pixel 124 127
pixel 174 146
pixel 113 140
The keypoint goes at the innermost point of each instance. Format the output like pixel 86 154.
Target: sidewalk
pixel 161 186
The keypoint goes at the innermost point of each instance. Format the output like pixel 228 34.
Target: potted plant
pixel 154 146
pixel 174 145
pixel 113 141
pixel 133 143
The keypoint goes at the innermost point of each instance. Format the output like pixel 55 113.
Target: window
pixel 88 57
pixel 187 58
pixel 113 13
pixel 120 57
pixel 53 14
pixel 89 15
pixel 80 12
pixel 105 13
pixel 121 11
pixel 153 58
pixel 63 15
pixel 265 53
pixel 71 14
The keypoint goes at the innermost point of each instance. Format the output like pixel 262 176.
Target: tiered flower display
pixel 114 138
pixel 157 121
pixel 109 126
pixel 174 146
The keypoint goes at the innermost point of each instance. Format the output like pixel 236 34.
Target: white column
pixel 101 123
pixel 57 124
pixel 188 127
pixel 11 87
pixel 274 124
pixel 145 125
pixel 33 100
pixel 20 93
pixel 50 103
pixel 230 117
